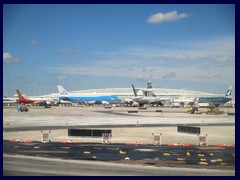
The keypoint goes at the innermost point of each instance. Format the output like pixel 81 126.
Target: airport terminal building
pixel 128 92
pixel 171 97
pixel 149 91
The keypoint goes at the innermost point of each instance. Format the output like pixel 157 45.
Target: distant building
pixel 128 92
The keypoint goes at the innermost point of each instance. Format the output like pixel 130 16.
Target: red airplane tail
pixel 19 95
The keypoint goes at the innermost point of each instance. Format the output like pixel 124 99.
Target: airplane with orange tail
pixel 21 99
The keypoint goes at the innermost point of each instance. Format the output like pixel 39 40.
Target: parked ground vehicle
pixel 194 110
pixel 22 108
pixel 212 110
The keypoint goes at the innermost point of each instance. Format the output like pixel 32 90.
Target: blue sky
pixel 108 46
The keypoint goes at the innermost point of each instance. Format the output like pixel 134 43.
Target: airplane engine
pixel 48 102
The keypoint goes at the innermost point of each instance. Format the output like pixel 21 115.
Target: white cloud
pixel 169 75
pixel 33 42
pixel 61 77
pixel 7 58
pixel 184 50
pixel 186 72
pixel 168 17
pixel 209 75
pixel 224 59
pixel 143 62
pixel 182 57
pixel 143 77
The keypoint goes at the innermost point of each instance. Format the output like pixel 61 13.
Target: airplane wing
pixel 39 101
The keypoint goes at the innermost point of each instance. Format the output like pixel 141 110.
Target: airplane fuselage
pixel 90 98
pixel 25 101
pixel 144 99
pixel 141 100
pixel 214 100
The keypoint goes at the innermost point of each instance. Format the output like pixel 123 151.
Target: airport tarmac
pixel 127 127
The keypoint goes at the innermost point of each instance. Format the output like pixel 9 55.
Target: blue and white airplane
pixel 65 96
pixel 219 100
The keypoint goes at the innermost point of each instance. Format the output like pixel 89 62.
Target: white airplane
pixel 9 101
pixel 142 100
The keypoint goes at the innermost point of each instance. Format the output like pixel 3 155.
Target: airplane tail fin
pixel 19 95
pixel 229 91
pixel 134 91
pixel 61 90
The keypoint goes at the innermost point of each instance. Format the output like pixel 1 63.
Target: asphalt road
pixel 35 166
